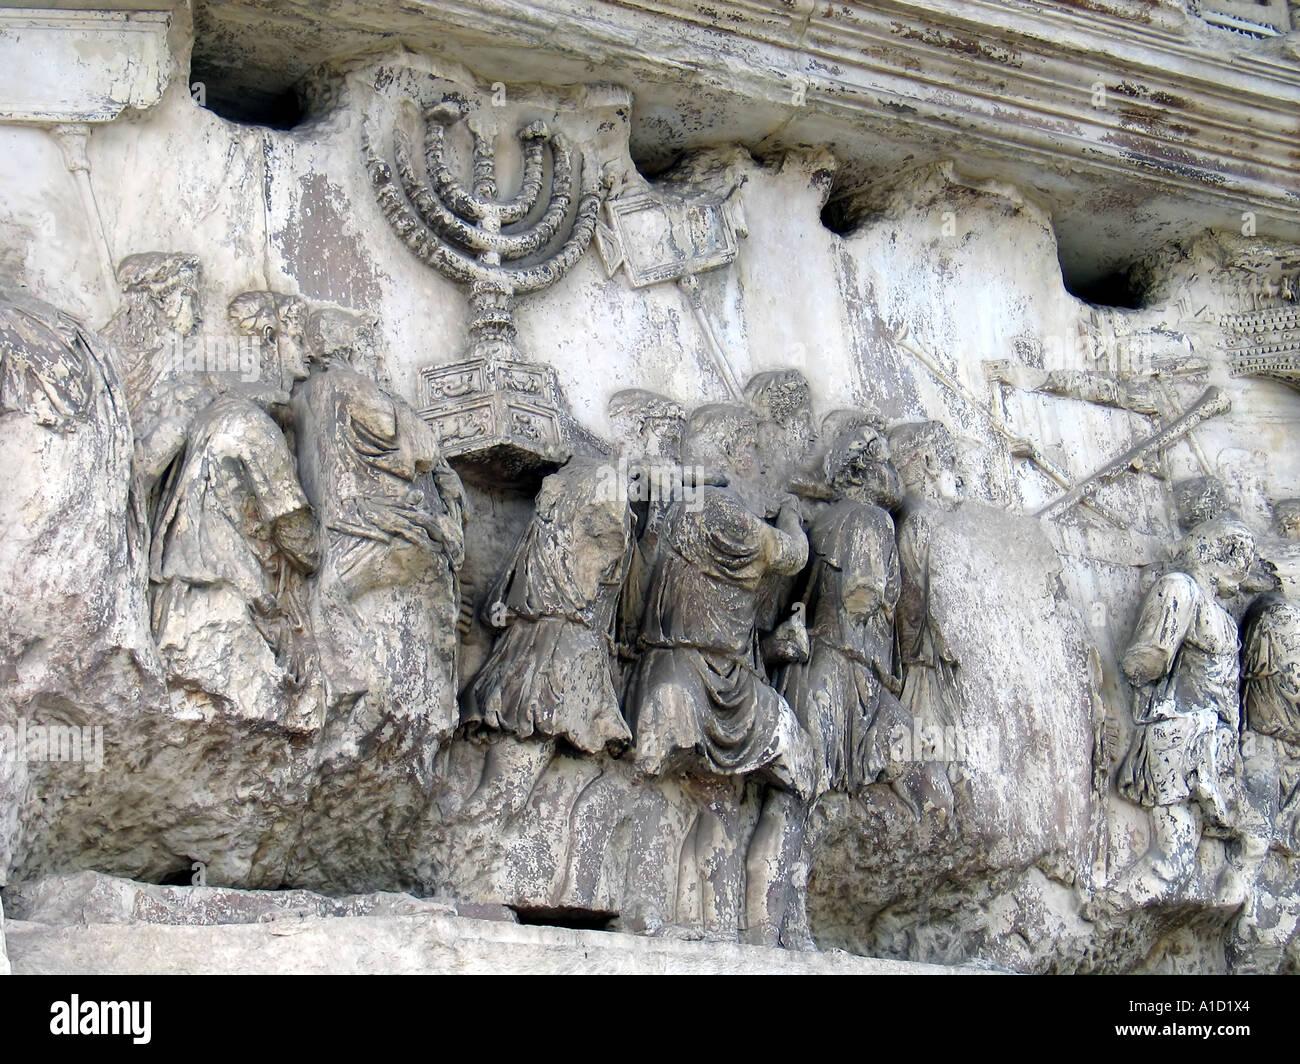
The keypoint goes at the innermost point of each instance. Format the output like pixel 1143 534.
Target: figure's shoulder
pixel 718 522
pixel 1174 585
pixel 851 520
pixel 717 506
pixel 1273 617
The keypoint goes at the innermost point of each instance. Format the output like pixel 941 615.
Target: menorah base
pixel 497 418
pixel 499 438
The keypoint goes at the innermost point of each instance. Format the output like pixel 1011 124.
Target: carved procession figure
pixel 852 595
pixel 72 524
pixel 700 695
pixel 925 456
pixel 553 673
pixel 651 426
pixel 836 689
pixel 233 532
pixel 384 602
pixel 1270 685
pixel 782 402
pixel 1182 663
pixel 1271 699
pixel 159 313
pixel 159 310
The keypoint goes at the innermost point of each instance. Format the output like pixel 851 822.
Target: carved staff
pixel 1019 446
pixel 690 286
pixel 1211 404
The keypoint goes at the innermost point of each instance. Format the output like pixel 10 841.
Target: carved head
pixel 858 464
pixel 650 424
pixel 723 437
pixel 1222 551
pixel 278 321
pixel 782 400
pixel 167 280
pixel 343 337
pixel 1286 512
pixel 925 455
pixel 1198 499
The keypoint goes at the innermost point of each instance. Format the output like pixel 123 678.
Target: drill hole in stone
pixel 561 916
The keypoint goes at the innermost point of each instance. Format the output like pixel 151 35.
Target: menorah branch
pixel 491 405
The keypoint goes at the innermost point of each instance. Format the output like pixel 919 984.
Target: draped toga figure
pixel 382 607
pixel 233 534
pixel 72 524
pixel 700 694
pixel 386 597
pixel 552 672
pixel 231 522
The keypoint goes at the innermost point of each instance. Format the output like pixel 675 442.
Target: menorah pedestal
pixel 498 419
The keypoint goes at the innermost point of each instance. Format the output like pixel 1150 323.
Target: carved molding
pixel 1199 125
pixel 81 66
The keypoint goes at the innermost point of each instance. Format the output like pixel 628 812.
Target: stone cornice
pixel 80 66
pixel 1198 125
pixel 1017 76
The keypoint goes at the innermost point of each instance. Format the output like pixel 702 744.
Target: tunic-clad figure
pixel 1270 699
pixel 854 588
pixel 700 694
pixel 231 521
pixel 926 457
pixel 386 597
pixel 1183 664
pixel 552 674
pixel 837 691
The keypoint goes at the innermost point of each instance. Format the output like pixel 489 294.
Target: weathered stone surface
pixel 4 951
pixel 633 478
pixel 91 898
pixel 94 925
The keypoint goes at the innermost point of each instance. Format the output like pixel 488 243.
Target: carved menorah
pixel 491 401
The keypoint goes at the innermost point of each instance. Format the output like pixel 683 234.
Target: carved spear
pixel 1211 404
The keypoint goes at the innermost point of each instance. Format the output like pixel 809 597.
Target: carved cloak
pixel 552 673
pixel 700 687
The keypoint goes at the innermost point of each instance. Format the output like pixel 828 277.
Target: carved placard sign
pixel 660 240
